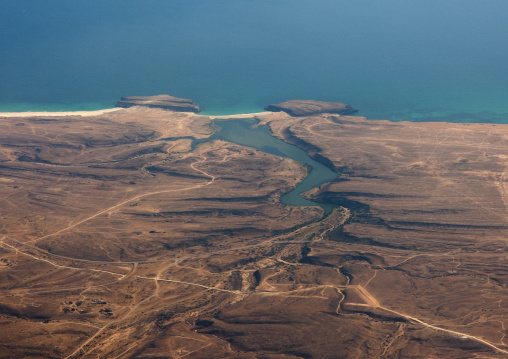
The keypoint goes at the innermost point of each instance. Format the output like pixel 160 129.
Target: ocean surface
pixel 419 60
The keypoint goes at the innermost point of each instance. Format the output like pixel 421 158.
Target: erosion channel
pixel 245 132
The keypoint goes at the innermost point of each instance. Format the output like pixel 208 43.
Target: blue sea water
pixel 395 59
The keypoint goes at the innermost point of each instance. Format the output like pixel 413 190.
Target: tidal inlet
pixel 239 179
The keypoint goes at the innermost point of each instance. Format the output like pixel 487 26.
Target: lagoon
pixel 246 132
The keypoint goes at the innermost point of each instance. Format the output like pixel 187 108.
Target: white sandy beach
pixel 240 115
pixel 101 112
pixel 58 114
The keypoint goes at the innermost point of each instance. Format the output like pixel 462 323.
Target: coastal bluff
pixel 298 108
pixel 165 102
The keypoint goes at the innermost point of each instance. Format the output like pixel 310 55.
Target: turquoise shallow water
pixel 395 59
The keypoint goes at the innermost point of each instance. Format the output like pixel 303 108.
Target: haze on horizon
pixel 381 57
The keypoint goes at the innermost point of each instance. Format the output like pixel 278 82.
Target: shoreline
pixel 109 110
pixel 240 115
pixel 59 114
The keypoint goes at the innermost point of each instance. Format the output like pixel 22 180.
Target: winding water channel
pixel 245 132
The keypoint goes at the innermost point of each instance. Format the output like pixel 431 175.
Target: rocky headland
pixel 299 108
pixel 165 102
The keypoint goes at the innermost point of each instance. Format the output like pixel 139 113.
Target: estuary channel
pixel 245 132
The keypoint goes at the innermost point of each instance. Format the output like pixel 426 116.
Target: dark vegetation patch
pixel 36 159
pixel 65 145
pixel 204 323
pixel 314 261
pixel 236 281
pixel 382 317
pixel 28 312
pixel 354 257
pixel 173 243
pixel 346 273
pixel 257 277
pixel 158 169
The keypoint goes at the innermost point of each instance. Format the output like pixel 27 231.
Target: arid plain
pixel 121 240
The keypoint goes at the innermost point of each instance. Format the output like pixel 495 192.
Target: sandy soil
pixel 58 114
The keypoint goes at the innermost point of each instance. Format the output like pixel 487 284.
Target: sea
pixel 417 60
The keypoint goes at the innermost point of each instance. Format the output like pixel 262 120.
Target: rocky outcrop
pixel 310 107
pixel 165 102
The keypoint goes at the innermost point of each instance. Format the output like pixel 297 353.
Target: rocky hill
pixel 165 102
pixel 310 107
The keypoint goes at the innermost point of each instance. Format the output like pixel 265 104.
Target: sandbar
pixel 240 115
pixel 101 112
pixel 60 114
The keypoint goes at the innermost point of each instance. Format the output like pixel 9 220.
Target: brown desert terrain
pixel 121 239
